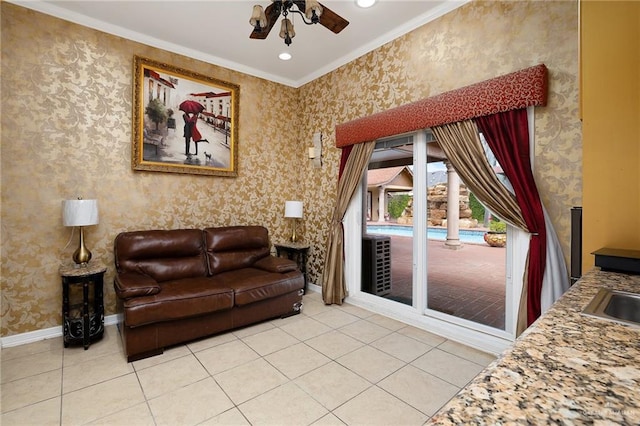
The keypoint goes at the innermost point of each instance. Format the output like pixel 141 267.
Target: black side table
pixel 297 252
pixel 82 321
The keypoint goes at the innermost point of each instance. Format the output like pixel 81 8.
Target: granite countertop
pixel 565 369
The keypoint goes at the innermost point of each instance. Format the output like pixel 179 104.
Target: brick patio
pixel 468 283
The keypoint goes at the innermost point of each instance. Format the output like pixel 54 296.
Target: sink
pixel 617 306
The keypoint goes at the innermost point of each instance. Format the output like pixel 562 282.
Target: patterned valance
pixel 520 89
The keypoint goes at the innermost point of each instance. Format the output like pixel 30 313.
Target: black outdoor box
pixel 376 264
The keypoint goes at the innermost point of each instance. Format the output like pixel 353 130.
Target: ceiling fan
pixel 311 11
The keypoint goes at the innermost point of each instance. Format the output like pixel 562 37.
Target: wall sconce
pixel 293 210
pixel 80 213
pixel 315 152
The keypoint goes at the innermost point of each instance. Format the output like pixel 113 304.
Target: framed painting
pixel 183 122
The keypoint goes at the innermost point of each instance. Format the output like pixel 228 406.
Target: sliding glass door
pixel 422 241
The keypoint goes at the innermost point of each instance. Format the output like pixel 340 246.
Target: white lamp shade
pixel 293 209
pixel 79 212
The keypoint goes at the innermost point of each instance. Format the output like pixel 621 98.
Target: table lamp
pixel 80 213
pixel 293 210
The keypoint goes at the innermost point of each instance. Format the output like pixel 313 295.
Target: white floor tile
pixel 226 356
pixel 401 346
pixel 190 405
pixel 53 345
pixel 467 352
pixel 419 389
pixel 334 344
pixel 30 365
pixel 422 336
pixel 97 401
pixel 284 405
pixel 451 368
pixel 270 341
pixel 138 415
pixel 44 413
pixel 304 327
pixel 329 420
pixel 90 372
pixel 336 318
pixel 296 360
pixel 171 375
pixel 371 363
pixel 365 331
pixel 232 417
pixel 332 385
pixel 377 407
pixel 250 380
pixel 386 322
pixel 30 390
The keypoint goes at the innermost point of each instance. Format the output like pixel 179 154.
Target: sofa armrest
pixel 131 284
pixel 276 264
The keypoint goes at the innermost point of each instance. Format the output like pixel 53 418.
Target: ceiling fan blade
pixel 272 17
pixel 332 20
pixel 328 18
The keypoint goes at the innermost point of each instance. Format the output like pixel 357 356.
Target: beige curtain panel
pixel 461 143
pixel 334 288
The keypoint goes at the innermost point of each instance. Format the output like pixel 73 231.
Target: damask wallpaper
pixel 66 132
pixel 477 42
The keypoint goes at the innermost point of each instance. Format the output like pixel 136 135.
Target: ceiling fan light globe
pixel 286 30
pixel 258 18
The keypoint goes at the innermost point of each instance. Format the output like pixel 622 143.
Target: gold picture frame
pixel 183 122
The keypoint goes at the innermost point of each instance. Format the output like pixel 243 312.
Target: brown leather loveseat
pixel 178 285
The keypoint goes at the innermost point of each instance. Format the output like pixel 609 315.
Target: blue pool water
pixel 466 235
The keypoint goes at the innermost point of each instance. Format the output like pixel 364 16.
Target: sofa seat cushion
pixel 178 299
pixel 252 284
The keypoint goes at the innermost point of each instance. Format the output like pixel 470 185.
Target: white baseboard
pixel 47 333
pixel 314 288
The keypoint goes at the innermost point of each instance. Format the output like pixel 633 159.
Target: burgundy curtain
pixel 508 137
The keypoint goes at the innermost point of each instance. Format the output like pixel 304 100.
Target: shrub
pixel 397 204
pixel 498 226
pixel 477 209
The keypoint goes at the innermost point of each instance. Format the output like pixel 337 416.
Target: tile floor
pixel 329 365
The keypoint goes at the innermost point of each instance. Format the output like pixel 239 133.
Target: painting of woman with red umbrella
pixel 158 145
pixel 192 110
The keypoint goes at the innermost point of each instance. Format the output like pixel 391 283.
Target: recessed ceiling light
pixel 285 56
pixel 365 3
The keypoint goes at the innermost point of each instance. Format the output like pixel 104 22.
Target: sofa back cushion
pixel 234 247
pixel 162 255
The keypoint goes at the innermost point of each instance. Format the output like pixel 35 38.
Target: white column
pixel 453 208
pixel 381 204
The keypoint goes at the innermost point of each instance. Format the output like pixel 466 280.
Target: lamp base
pixel 294 236
pixel 82 255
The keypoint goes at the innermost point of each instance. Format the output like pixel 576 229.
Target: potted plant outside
pixel 497 234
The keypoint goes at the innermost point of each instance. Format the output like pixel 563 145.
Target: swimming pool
pixel 466 235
